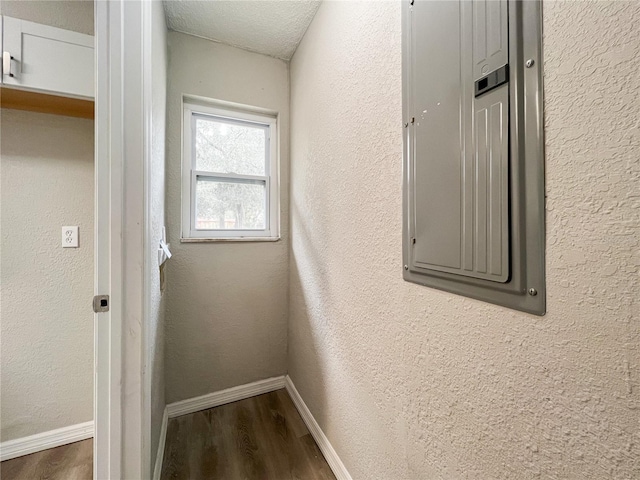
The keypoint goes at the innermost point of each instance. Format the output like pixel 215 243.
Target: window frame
pixel 192 110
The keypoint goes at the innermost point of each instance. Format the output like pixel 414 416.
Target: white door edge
pixel 108 242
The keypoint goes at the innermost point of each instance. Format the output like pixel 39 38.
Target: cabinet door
pixel 48 59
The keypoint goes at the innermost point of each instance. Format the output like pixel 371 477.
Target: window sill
pixel 230 240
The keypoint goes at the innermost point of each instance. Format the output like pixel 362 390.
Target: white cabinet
pixel 47 59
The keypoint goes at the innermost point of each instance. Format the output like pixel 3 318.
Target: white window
pixel 229 174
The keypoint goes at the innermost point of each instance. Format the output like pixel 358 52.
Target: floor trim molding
pixel 229 395
pixel 157 470
pixel 338 468
pixel 45 440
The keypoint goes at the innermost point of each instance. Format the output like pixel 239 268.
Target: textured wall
pixel 226 318
pixel 47 323
pixel 413 383
pixel 155 330
pixel 76 15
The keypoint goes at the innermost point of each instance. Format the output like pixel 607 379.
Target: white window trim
pixel 189 175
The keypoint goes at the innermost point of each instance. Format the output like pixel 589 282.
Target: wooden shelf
pixel 44 103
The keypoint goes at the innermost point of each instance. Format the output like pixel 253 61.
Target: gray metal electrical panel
pixel 473 149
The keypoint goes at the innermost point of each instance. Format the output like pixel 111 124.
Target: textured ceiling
pixel 270 27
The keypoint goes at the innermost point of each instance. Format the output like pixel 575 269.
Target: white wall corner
pixel 45 440
pixel 330 455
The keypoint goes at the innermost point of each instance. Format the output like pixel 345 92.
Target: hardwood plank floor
pixel 68 462
pixel 261 437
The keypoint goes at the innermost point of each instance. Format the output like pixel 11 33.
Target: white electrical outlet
pixel 70 237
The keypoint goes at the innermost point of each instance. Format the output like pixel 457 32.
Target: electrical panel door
pixel 461 139
pixel 465 196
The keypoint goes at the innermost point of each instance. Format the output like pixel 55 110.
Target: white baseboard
pixel 207 401
pixel 242 392
pixel 338 468
pixel 229 395
pixel 45 440
pixel 157 469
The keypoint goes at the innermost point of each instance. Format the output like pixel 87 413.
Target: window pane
pixel 229 148
pixel 225 205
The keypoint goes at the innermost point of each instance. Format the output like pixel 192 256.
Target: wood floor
pixel 260 438
pixel 68 462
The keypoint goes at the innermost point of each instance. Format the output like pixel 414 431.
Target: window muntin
pixel 230 179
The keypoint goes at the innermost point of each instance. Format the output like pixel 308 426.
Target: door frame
pixel 107 441
pixel 121 390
